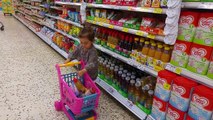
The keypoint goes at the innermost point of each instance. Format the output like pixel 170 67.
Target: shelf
pixel 67 3
pixel 64 20
pixel 128 61
pixel 129 8
pixel 39 16
pixel 198 5
pixel 44 38
pixel 36 0
pixel 36 21
pixel 20 11
pixel 26 1
pixel 124 101
pixel 36 7
pixel 149 117
pixel 63 33
pixel 127 30
pixel 193 76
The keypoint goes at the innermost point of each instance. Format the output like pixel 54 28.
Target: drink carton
pixel 204 32
pixel 210 70
pixel 199 59
pixel 175 114
pixel 180 54
pixel 181 93
pixel 187 25
pixel 159 108
pixel 163 85
pixel 201 105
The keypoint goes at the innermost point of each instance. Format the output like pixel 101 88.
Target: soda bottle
pixel 120 78
pixel 131 90
pixel 143 97
pixel 126 86
pixel 116 76
pixel 123 82
pixel 137 91
pixel 148 103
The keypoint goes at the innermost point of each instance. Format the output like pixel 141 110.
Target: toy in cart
pixel 79 96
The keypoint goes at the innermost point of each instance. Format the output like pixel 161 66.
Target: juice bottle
pixel 144 92
pixel 111 74
pixel 158 52
pixel 107 72
pixel 79 85
pixel 127 81
pixel 165 57
pixel 148 103
pixel 129 45
pixel 116 76
pixel 151 52
pixel 145 48
pixel 100 68
pixel 135 44
pixel 123 80
pixel 120 78
pixel 138 80
pixel 137 91
pixel 141 44
pixel 109 38
pixel 116 40
pixel 131 90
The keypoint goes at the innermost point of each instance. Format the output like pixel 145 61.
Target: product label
pixel 161 91
pixel 197 108
pixel 172 115
pixel 157 111
pixel 179 56
pixel 177 100
pixel 198 60
pixel 210 71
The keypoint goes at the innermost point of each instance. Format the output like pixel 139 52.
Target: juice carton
pixel 163 85
pixel 210 71
pixel 181 93
pixel 159 108
pixel 187 25
pixel 199 58
pixel 204 32
pixel 180 54
pixel 201 105
pixel 175 114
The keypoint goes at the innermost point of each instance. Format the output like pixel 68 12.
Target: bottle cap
pixel 111 68
pixel 138 79
pixel 132 81
pixel 150 92
pixel 127 79
pixel 128 74
pixel 120 72
pixel 125 71
pixel 121 68
pixel 138 84
pixel 133 77
pixel 123 75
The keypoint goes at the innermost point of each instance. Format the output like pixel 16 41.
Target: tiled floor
pixel 28 82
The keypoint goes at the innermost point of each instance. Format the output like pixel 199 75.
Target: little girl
pixel 86 52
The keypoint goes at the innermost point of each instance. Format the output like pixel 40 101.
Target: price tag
pixel 125 29
pixel 129 104
pixel 145 9
pixel 93 22
pixel 174 69
pixel 166 86
pixel 130 62
pixel 111 26
pixel 141 67
pixel 158 10
pixel 151 36
pixel 114 55
pixel 140 33
pixel 89 5
pixel 110 90
pixel 178 70
pixel 129 8
pixel 100 23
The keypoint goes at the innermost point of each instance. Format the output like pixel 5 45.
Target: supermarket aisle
pixel 28 83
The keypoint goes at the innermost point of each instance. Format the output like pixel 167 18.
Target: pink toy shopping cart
pixel 69 103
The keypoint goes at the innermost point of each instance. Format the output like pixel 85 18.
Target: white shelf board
pixel 39 16
pixel 198 5
pixel 127 60
pixel 128 30
pixel 124 101
pixel 44 38
pixel 36 0
pixel 64 20
pixel 67 3
pixel 63 33
pixel 149 117
pixel 193 76
pixel 36 7
pixel 129 8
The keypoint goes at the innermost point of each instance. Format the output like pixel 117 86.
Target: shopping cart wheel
pixel 58 105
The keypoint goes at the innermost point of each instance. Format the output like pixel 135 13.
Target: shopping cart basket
pixel 68 97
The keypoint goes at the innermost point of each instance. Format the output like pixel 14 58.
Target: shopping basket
pixel 68 97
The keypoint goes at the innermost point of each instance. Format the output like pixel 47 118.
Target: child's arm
pixel 73 55
pixel 91 64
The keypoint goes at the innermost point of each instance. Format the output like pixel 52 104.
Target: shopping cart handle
pixel 70 64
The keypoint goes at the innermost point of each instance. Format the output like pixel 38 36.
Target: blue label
pixel 162 93
pixel 158 114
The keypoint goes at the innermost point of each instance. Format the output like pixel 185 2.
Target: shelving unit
pixel 67 3
pixel 198 5
pixel 129 8
pixel 127 30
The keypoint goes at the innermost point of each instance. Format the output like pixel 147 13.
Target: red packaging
pixel 205 20
pixel 189 118
pixel 129 3
pixel 163 85
pixel 175 114
pixel 199 58
pixel 201 105
pixel 188 18
pixel 159 108
pixel 181 93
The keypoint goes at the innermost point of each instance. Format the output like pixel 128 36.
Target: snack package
pixel 147 23
pixel 159 108
pixel 187 25
pixel 180 54
pixel 204 31
pixel 201 105
pixel 181 93
pixel 97 13
pixel 163 85
pixel 163 3
pixel 199 58
pixel 146 3
pixel 210 70
pixel 103 13
pixel 175 114
pixel 156 3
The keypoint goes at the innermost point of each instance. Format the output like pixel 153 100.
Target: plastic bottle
pixel 144 92
pixel 123 80
pixel 111 73
pixel 129 45
pixel 131 90
pixel 151 52
pixel 120 78
pixel 125 71
pixel 128 74
pixel 145 48
pixel 141 44
pixel 125 45
pixel 126 86
pixel 137 91
pixel 116 76
pixel 158 52
pixel 79 85
pixel 148 103
pixel 165 57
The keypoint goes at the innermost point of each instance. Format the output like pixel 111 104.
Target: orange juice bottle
pixel 151 52
pixel 145 48
pixel 165 57
pixel 158 52
pixel 79 85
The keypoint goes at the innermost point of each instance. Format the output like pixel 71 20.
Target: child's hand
pixel 81 72
pixel 68 60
